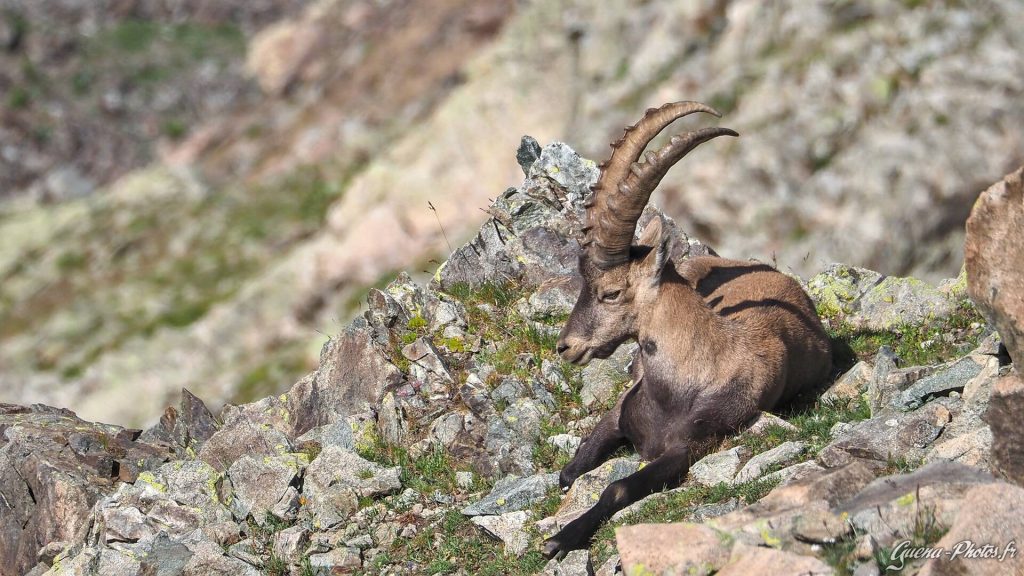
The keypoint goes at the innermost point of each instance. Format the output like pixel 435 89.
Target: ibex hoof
pixel 564 542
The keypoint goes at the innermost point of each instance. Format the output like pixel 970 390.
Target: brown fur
pixel 720 340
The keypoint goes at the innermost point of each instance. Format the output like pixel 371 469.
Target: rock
pixel 954 377
pixel 53 468
pixel 125 525
pixel 337 466
pixel 839 288
pixel 259 484
pixel 392 425
pixel 587 489
pixel 513 493
pixel 793 473
pixel 339 560
pixel 992 255
pixel 719 467
pixel 821 527
pixel 890 507
pixel 972 448
pixel 241 437
pixel 528 153
pixel 209 559
pixel 567 443
pixel 186 429
pixel 553 299
pixel 766 421
pixel 601 376
pixel 464 480
pixel 756 466
pixel 335 434
pixel 908 435
pixel 989 514
pixel 575 563
pixel 426 365
pixel 352 373
pixel 446 428
pixel 850 385
pixel 1004 409
pixel 747 560
pixel 290 543
pixel 894 302
pixel 610 567
pixel 671 548
pixel 509 528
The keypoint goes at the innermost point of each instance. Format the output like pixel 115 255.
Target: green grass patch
pixel 916 345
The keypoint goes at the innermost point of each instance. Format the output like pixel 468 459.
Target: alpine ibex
pixel 720 340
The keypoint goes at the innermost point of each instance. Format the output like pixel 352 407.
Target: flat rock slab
pixel 757 465
pixel 757 561
pixel 681 548
pixel 720 467
pixel 954 377
pixel 513 493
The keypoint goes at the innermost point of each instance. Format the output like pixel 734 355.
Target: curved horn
pixel 622 191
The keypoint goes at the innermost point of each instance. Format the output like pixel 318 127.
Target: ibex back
pixel 720 340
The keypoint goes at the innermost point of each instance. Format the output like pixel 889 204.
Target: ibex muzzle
pixel 719 339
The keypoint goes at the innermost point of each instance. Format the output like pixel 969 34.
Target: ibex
pixel 719 340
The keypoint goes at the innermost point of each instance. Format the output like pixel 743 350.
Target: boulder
pixel 994 258
pixel 53 468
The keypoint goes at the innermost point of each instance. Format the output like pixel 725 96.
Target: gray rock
pixel 246 551
pixel 259 484
pixel 241 436
pixel 896 435
pixel 850 385
pixel 290 543
pixel 508 390
pixel 353 372
pixel 333 434
pixel 446 428
pixel 953 377
pixel 427 365
pixel 898 301
pixel 337 466
pixel 553 299
pixel 528 153
pixel 513 493
pixel 127 524
pixel 508 528
pixel 601 376
pixel 611 567
pixel 362 542
pixel 587 489
pixel 757 465
pixel 208 559
pixel 575 563
pixel 390 421
pixel 839 288
pixel 567 443
pixel 464 480
pixel 765 421
pixel 287 508
pixel 793 473
pixel 53 468
pixel 524 417
pixel 719 467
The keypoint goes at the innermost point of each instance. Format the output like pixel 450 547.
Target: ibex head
pixel 618 276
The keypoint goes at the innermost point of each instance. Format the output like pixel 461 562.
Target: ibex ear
pixel 658 239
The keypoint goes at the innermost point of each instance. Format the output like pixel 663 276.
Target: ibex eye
pixel 610 295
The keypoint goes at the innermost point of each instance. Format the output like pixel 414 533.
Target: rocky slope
pixel 428 438
pixel 255 230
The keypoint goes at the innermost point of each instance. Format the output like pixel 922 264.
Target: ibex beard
pixel 720 340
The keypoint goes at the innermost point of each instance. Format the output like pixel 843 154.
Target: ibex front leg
pixel 602 442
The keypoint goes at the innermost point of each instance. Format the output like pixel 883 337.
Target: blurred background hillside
pixel 197 192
